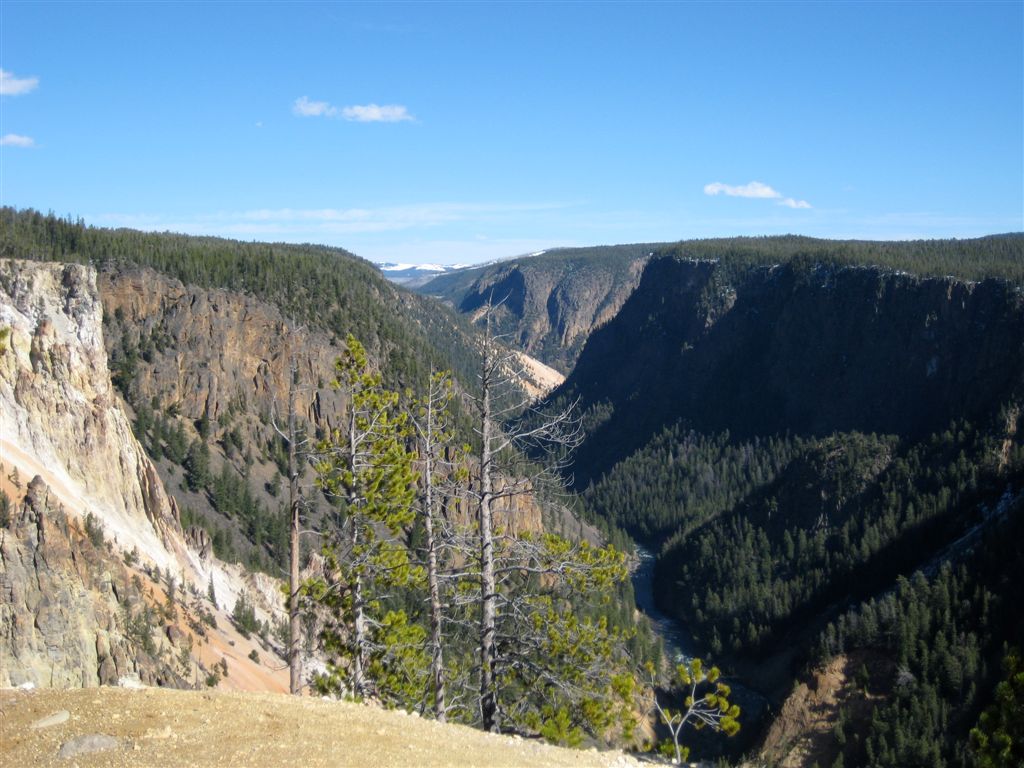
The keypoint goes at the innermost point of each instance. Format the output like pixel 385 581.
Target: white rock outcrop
pixel 61 419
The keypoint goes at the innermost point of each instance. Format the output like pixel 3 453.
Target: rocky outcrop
pixel 67 605
pixel 217 353
pixel 802 734
pixel 205 351
pixel 551 302
pixel 61 418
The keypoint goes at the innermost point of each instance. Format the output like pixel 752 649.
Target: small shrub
pixel 139 630
pixel 94 529
pixel 244 616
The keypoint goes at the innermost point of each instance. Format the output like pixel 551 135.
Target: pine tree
pixel 368 469
pixel 706 702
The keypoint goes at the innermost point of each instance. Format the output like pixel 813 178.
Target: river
pixel 679 647
pixel 678 644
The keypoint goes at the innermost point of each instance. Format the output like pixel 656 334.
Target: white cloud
pixel 14 140
pixel 789 202
pixel 366 113
pixel 306 108
pixel 755 189
pixel 446 251
pixel 10 85
pixel 377 113
pixel 319 224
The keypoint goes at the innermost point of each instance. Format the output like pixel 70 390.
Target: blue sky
pixel 464 132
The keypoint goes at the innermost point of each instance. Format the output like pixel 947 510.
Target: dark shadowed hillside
pixel 805 349
pixel 553 301
pixel 798 439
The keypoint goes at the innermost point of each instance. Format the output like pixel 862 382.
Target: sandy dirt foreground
pixel 163 727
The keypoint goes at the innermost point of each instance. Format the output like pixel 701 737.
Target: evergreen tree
pixel 998 739
pixel 197 465
pixel 367 468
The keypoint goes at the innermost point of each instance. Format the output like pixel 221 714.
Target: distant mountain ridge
pixel 550 301
pixel 553 300
pixel 414 275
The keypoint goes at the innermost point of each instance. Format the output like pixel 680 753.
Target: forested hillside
pixel 798 435
pixel 384 477
pixel 804 348
pixel 324 288
pixel 822 440
pixel 200 334
pixel 553 301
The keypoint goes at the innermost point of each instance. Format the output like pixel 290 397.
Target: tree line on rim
pixel 425 600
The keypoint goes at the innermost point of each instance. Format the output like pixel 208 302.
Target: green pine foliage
pixel 843 520
pixel 998 739
pixel 705 704
pixel 944 632
pixel 681 479
pixel 1000 256
pixel 367 468
pixel 244 615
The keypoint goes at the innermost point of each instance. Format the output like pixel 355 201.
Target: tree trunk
pixel 437 655
pixel 294 619
pixel 359 620
pixel 488 593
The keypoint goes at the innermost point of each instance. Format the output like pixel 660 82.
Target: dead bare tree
pixel 296 444
pixel 504 446
pixel 431 420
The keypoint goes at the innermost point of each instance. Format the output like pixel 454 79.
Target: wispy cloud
pixel 359 113
pixel 755 189
pixel 303 107
pixel 15 140
pixel 789 202
pixel 11 85
pixel 377 113
pixel 313 223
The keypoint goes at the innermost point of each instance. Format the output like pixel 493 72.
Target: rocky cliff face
pixel 809 350
pixel 205 349
pixel 67 605
pixel 63 424
pixel 60 417
pixel 550 303
pixel 225 356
